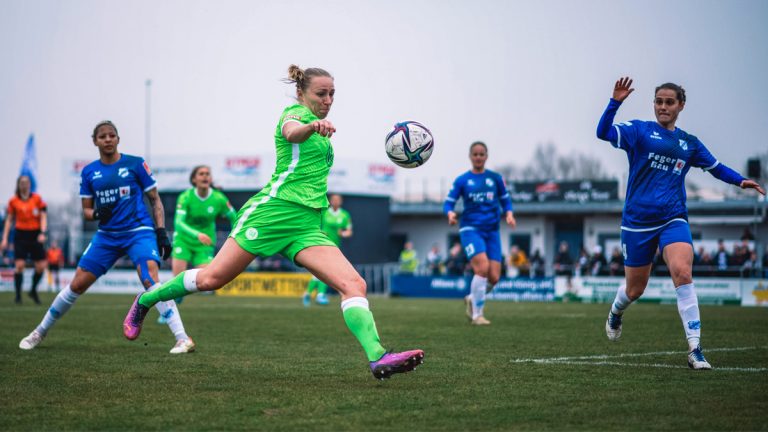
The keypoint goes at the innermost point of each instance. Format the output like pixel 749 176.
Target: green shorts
pixel 267 226
pixel 194 255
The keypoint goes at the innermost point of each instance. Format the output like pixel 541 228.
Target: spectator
pixel 616 264
pixel 721 256
pixel 518 263
pixel 750 266
pixel 456 261
pixel 563 264
pixel 582 264
pixel 765 262
pixel 409 260
pixel 434 261
pixel 597 262
pixel 747 235
pixel 537 264
pixel 55 257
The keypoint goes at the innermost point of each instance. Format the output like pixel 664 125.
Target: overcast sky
pixel 510 73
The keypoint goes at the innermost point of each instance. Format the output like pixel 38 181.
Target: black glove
pixel 103 214
pixel 163 243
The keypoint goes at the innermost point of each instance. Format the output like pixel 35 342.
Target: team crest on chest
pixel 683 145
pixel 489 182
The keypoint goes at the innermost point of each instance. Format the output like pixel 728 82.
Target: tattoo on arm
pixel 158 212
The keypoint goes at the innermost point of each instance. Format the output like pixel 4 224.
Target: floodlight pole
pixel 147 114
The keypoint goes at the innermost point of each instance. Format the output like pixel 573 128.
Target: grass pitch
pixel 271 364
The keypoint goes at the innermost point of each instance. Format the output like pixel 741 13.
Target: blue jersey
pixel 484 195
pixel 659 159
pixel 120 186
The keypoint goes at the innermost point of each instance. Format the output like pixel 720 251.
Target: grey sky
pixel 510 73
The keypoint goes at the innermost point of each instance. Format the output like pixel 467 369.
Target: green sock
pixel 312 286
pixel 361 324
pixel 170 290
pixel 321 287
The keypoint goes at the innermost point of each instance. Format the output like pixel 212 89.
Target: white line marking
pixel 602 360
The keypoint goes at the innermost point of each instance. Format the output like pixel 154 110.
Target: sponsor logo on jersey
pixel 683 145
pixel 122 172
pixel 655 135
pixel 679 165
pixel 292 117
pixel 146 168
pixel 661 162
pixel 125 191
pixel 108 196
pixel 96 175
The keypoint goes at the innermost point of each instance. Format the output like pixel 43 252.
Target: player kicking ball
pixel 284 217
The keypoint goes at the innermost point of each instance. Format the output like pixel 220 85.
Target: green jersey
pixel 335 221
pixel 195 215
pixel 301 171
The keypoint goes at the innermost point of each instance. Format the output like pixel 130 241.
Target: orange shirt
pixel 54 256
pixel 26 212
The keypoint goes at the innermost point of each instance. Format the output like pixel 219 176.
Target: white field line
pixel 601 360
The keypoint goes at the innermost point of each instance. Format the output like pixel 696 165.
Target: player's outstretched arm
pixel 751 184
pixel 6 231
pixel 621 90
pixel 295 132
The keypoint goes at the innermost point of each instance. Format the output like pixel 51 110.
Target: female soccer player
pixel 194 234
pixel 27 212
pixel 285 218
pixel 336 224
pixel 655 214
pixel 112 189
pixel 483 192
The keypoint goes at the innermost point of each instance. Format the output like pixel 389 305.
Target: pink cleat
pixel 134 319
pixel 391 363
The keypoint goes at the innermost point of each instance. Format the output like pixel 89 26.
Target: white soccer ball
pixel 409 144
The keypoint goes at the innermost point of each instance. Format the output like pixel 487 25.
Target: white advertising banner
pixel 603 289
pixel 114 282
pixel 754 292
pixel 250 172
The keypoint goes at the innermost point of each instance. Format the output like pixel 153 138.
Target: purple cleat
pixel 391 363
pixel 134 319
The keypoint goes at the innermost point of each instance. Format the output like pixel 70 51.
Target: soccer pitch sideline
pixel 271 364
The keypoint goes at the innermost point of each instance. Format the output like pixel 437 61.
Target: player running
pixel 484 194
pixel 284 218
pixel 112 189
pixel 336 224
pixel 27 213
pixel 194 234
pixel 655 214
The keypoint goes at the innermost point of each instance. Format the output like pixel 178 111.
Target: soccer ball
pixel 409 144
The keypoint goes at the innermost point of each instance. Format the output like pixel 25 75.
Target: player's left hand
pixel 510 219
pixel 41 238
pixel 751 184
pixel 163 243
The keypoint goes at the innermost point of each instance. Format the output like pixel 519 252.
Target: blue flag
pixel 29 163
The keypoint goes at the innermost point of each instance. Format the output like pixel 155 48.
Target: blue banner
pixel 517 289
pixel 29 163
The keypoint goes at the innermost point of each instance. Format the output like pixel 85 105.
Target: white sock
pixel 477 290
pixel 351 302
pixel 688 306
pixel 61 304
pixel 621 302
pixel 170 312
pixel 190 280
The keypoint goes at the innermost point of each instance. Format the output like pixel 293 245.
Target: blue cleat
pixel 321 299
pixel 306 300
pixel 696 360
pixel 613 326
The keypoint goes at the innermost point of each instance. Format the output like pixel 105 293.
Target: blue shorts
pixel 107 247
pixel 477 241
pixel 639 244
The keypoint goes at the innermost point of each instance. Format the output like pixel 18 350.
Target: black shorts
pixel 53 267
pixel 26 246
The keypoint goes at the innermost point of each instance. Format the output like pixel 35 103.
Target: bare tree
pixel 548 164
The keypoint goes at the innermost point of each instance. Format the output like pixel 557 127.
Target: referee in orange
pixel 27 214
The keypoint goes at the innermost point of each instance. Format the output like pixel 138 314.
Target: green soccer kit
pixel 197 215
pixel 334 222
pixel 285 216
